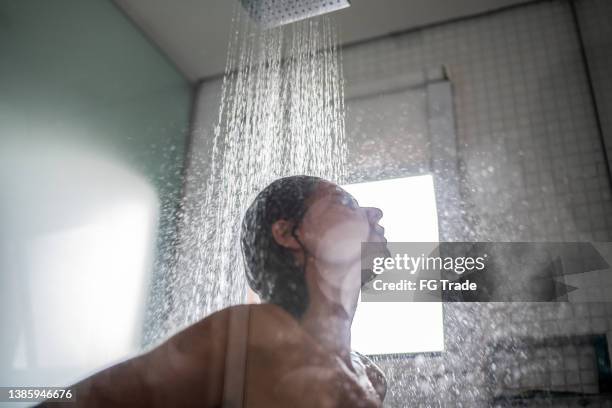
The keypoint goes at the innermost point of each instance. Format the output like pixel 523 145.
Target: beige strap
pixel 236 357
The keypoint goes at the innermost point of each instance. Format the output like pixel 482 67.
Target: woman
pixel 301 241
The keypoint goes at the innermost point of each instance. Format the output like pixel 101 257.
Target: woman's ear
pixel 282 233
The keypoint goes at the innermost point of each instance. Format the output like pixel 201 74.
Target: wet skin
pixel 259 355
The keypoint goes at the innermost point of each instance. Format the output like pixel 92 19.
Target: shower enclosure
pixel 506 118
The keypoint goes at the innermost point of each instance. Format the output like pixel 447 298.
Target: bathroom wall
pixel 93 129
pixel 594 17
pixel 531 168
pixel 522 107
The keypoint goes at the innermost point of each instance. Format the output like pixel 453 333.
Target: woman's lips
pixel 378 237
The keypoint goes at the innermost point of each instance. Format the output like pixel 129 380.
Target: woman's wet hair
pixel 271 270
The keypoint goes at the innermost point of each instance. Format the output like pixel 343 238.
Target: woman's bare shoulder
pixel 262 319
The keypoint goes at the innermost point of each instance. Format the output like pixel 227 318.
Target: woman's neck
pixel 330 311
pixel 330 326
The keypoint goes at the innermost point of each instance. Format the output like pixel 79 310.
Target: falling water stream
pixel 281 113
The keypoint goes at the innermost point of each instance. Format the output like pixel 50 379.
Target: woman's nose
pixel 374 214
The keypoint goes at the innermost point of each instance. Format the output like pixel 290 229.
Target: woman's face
pixel 334 226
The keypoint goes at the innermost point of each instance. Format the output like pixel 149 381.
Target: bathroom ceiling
pixel 194 33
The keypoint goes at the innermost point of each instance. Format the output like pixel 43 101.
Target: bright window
pixel 409 208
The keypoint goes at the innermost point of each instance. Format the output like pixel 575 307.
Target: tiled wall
pixel 531 168
pixel 569 367
pixel 595 17
pixel 531 159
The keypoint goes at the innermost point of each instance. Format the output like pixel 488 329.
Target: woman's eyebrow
pixel 337 193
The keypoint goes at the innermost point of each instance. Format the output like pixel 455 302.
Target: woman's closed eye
pixel 349 202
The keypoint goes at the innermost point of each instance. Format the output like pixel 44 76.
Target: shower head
pixel 274 13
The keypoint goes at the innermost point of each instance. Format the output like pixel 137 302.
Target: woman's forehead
pixel 327 190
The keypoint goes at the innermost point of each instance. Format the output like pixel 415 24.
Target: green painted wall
pixel 78 74
pixel 79 70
